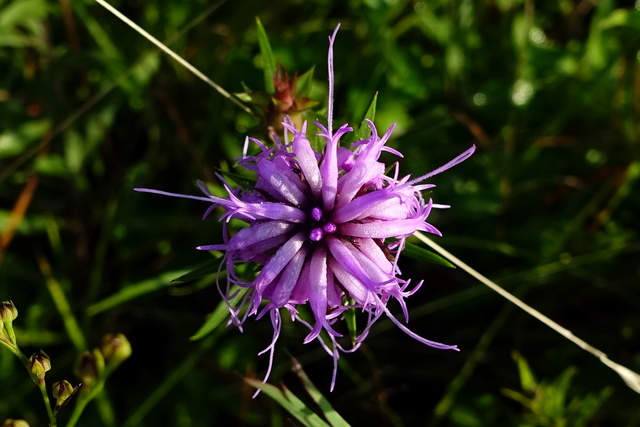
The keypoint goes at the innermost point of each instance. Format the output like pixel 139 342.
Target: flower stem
pixel 12 334
pixel 63 306
pixel 83 399
pixel 45 396
pixel 42 386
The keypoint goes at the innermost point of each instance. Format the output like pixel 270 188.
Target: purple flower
pixel 326 228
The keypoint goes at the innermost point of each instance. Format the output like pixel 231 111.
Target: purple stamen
pixel 316 214
pixel 329 228
pixel 316 234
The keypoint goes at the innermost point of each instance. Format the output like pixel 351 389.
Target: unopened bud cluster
pixel 91 365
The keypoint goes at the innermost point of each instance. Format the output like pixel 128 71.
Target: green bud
pixel 15 423
pixel 90 366
pixel 62 390
pixel 3 335
pixel 8 312
pixel 39 364
pixel 115 348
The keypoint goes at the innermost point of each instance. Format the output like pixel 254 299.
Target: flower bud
pixel 8 312
pixel 90 366
pixel 115 348
pixel 4 336
pixel 15 423
pixel 39 364
pixel 62 390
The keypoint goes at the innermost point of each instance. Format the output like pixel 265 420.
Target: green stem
pixel 64 308
pixel 445 404
pixel 45 396
pixel 106 410
pixel 104 404
pixel 100 255
pixel 83 399
pixel 77 410
pixel 86 396
pixel 7 344
pixel 39 382
pixel 177 375
pixel 12 334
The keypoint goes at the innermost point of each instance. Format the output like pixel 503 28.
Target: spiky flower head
pixel 325 226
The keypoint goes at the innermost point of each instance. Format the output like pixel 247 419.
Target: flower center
pixel 320 226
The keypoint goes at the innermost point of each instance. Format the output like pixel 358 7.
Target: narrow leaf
pixel 350 319
pixel 304 84
pixel 332 416
pixel 219 315
pixel 527 378
pixel 421 254
pixel 289 402
pixel 364 130
pixel 133 291
pixel 207 268
pixel 268 59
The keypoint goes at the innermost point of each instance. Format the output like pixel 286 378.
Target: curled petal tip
pixel 332 37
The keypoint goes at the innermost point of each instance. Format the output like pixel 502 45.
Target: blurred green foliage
pixel 546 402
pixel 549 91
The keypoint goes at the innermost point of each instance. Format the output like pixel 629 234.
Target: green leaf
pixel 259 98
pixel 621 18
pixel 241 180
pixel 350 319
pixel 555 394
pixel 332 416
pixel 268 59
pixel 133 291
pixel 527 379
pixel 421 254
pixel 74 151
pixel 53 165
pixel 29 224
pixel 364 130
pixel 207 268
pixel 304 83
pixel 18 12
pixel 289 402
pixel 220 314
pixel 144 70
pixel 14 142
